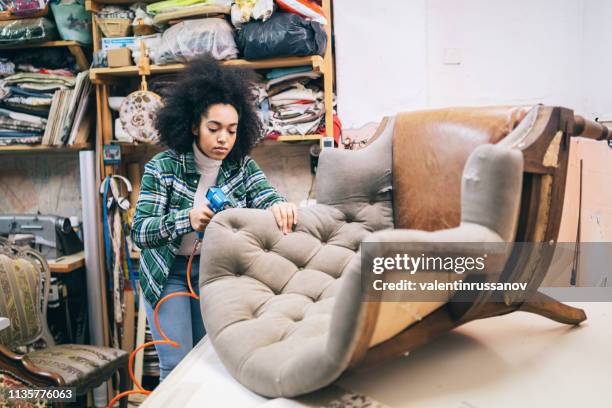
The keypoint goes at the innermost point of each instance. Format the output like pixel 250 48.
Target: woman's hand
pixel 200 217
pixel 286 215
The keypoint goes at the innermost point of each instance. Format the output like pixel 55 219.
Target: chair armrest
pixel 22 368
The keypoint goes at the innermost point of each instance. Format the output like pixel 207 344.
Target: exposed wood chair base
pixel 441 321
pixel 554 310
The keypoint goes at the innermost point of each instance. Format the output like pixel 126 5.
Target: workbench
pixel 68 263
pixel 514 360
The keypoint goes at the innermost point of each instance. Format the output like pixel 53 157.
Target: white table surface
pixel 4 323
pixel 514 360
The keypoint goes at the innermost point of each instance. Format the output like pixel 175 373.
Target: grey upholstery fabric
pixel 357 176
pixel 283 312
pixel 491 189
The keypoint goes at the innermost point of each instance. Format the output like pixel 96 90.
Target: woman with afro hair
pixel 209 124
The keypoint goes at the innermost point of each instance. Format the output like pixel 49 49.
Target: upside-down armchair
pixel 286 313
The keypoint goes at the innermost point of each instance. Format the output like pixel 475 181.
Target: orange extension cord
pixel 166 340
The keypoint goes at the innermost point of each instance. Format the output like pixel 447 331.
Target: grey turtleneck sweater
pixel 208 169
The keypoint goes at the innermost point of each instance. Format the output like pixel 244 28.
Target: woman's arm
pixel 152 227
pixel 259 192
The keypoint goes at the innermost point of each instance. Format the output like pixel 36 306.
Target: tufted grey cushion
pixel 269 298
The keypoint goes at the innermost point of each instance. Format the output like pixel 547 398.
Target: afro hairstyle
pixel 206 82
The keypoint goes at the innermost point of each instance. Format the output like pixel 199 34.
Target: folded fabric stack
pixel 27 93
pixel 168 11
pixel 32 92
pixel 20 128
pixel 30 95
pixel 291 102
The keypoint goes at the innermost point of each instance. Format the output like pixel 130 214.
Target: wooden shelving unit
pixel 74 47
pixel 103 78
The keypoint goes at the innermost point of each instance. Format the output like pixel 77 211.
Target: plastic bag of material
pixel 191 38
pixel 27 30
pixel 73 21
pixel 283 35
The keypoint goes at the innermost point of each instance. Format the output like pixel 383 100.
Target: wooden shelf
pixel 142 148
pixel 75 48
pixel 297 138
pixel 100 74
pixel 46 44
pixel 92 5
pixel 66 264
pixel 42 149
pixel 138 148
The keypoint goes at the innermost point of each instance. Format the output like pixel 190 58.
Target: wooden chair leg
pixel 125 384
pixel 553 309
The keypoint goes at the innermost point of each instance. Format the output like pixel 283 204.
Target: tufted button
pixel 266 250
pixel 235 229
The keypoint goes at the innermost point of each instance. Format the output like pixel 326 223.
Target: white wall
pixel 380 55
pixel 598 58
pixel 431 53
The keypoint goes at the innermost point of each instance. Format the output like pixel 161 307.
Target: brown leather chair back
pixel 430 149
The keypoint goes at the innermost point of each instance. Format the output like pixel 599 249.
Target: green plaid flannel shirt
pixel 166 196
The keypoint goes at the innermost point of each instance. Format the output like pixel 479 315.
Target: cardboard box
pixel 111 43
pixel 120 57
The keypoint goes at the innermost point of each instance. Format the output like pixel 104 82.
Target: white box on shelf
pixel 112 43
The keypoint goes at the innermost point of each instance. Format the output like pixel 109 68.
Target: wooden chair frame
pixel 545 147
